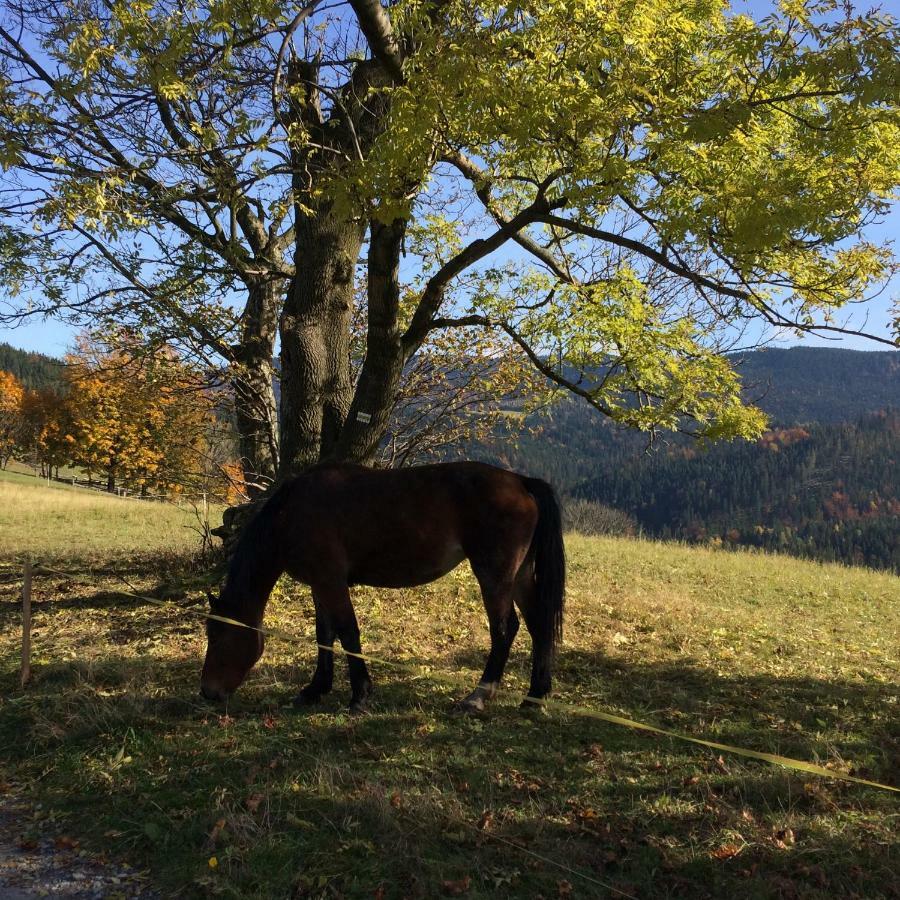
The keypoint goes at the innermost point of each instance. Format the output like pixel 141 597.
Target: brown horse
pixel 338 525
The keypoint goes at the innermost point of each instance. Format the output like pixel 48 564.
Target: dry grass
pixel 57 522
pixel 774 654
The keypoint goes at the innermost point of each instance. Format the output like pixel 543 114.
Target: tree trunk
pixel 111 481
pixel 252 379
pixel 379 379
pixel 316 387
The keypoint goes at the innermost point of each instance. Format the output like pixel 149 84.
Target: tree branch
pixel 433 295
pixel 376 26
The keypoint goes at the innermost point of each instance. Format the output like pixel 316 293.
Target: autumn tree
pixel 613 190
pixel 142 420
pixel 11 429
pixel 47 425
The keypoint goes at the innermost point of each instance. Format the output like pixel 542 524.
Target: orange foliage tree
pixel 11 395
pixel 141 418
pixel 47 427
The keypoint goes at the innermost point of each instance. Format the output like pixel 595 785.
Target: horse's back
pixel 401 527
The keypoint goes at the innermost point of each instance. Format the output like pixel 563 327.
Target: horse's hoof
pixel 304 700
pixel 470 706
pixel 533 706
pixel 360 703
pixel 360 706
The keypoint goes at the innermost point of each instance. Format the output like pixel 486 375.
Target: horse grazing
pixel 338 525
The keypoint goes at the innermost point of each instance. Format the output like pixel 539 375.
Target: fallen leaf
pixel 784 838
pixel 216 832
pixel 486 820
pixel 64 842
pixel 213 862
pixel 253 801
pixel 564 888
pixel 727 851
pixel 455 888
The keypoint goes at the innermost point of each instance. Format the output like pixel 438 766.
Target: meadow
pixel 113 745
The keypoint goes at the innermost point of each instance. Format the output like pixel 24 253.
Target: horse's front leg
pixel 323 678
pixel 335 600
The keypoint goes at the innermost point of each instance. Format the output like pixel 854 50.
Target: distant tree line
pixel 137 421
pixel 31 370
pixel 828 492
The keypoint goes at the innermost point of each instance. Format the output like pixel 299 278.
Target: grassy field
pixel 412 801
pixel 54 521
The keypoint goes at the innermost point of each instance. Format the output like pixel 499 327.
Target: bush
pixel 588 517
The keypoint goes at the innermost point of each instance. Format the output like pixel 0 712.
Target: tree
pixel 616 190
pixel 142 419
pixel 48 428
pixel 11 394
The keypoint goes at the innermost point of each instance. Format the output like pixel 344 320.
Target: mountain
pixel 571 442
pixel 820 384
pixel 34 370
pixel 822 483
pixel 825 491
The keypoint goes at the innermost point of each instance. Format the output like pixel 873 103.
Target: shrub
pixel 589 517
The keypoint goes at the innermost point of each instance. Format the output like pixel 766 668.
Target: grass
pixel 411 801
pixel 60 522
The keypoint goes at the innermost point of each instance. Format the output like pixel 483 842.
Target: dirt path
pixel 35 863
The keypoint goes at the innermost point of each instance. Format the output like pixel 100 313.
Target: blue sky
pixel 54 338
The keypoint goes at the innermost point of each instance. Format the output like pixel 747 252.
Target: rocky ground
pixel 37 860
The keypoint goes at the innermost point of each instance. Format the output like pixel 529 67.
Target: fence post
pixel 26 624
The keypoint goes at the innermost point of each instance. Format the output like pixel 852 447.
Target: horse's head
pixel 231 652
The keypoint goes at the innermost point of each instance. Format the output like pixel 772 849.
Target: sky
pixel 54 338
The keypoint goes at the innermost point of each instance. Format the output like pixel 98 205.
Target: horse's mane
pixel 256 553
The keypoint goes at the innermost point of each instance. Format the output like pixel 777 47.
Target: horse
pixel 338 525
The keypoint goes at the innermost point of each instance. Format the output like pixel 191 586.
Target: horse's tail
pixel 549 561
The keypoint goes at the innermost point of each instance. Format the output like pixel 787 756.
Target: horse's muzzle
pixel 212 694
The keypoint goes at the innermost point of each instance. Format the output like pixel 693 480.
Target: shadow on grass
pixel 414 800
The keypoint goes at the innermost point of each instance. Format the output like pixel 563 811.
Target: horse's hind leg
pixel 497 593
pixel 541 633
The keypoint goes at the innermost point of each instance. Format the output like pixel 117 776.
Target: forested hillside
pixel 819 384
pixel 33 370
pixel 827 491
pixel 822 484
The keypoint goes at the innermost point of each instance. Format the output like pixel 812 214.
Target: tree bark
pixel 379 378
pixel 316 387
pixel 252 380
